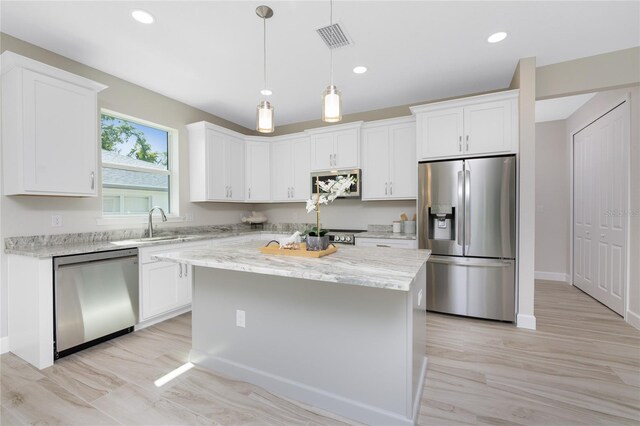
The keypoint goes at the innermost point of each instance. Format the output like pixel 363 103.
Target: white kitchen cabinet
pixel 475 126
pixel 164 286
pixel 335 147
pixel 290 169
pixel 388 160
pixel 257 166
pixel 216 163
pixel 50 129
pixel 386 243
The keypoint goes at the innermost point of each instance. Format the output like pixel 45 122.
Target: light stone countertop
pixel 361 266
pixel 63 248
pixel 386 235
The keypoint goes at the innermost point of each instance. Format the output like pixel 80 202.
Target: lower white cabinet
pixel 164 286
pixel 386 242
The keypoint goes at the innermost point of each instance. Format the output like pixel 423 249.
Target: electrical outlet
pixel 56 221
pixel 240 318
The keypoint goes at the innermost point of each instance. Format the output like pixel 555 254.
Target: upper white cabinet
pixel 479 125
pixel 335 147
pixel 49 129
pixel 290 169
pixel 257 166
pixel 389 165
pixel 216 163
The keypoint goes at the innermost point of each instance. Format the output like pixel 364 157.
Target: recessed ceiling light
pixel 142 16
pixel 496 37
pixel 360 69
pixel 266 92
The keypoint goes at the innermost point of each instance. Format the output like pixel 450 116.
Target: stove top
pixel 343 236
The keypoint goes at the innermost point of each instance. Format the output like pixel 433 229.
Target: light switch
pixel 240 318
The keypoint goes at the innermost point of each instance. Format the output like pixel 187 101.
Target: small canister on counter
pixel 409 227
pixel 397 226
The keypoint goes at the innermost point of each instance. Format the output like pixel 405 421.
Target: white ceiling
pixel 560 108
pixel 208 54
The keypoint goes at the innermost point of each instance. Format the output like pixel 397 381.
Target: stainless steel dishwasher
pixel 95 298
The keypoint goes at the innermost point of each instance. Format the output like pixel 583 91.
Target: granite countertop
pixel 387 235
pixel 361 266
pixel 45 246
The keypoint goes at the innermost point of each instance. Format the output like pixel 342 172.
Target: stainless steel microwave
pixel 356 188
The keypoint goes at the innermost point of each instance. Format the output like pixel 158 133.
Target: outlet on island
pixel 240 318
pixel 56 221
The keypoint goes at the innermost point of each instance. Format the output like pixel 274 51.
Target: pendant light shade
pixel 264 111
pixel 331 104
pixel 264 117
pixel 331 97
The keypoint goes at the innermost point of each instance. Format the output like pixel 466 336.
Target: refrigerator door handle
pixel 467 208
pixel 460 218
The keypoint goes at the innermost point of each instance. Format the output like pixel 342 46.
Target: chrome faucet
pixel 164 218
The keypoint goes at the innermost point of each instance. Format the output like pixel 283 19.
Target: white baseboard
pixel 526 321
pixel 310 395
pixel 633 319
pixel 4 345
pixel 551 276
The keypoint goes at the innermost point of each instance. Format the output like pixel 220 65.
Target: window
pixel 138 170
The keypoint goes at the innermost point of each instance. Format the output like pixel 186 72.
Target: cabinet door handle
pixel 293 192
pixel 390 188
pixel 93 180
pixel 382 245
pixel 386 188
pixel 231 192
pixel 180 273
pixel 186 270
pixel 249 193
pixel 460 143
pixel 335 159
pixel 467 142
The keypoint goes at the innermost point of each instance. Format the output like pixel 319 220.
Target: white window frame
pixel 172 172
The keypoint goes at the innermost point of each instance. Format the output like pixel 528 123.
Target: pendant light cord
pixel 331 49
pixel 264 50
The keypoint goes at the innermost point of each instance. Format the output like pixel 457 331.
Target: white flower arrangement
pixel 327 192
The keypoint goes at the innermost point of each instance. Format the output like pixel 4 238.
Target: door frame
pixel 626 100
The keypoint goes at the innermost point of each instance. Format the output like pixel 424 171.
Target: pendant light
pixel 331 96
pixel 264 111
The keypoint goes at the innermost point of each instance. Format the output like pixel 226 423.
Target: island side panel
pixel 419 331
pixel 343 348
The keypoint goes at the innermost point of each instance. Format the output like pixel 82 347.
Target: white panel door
pixel 281 165
pixel 403 169
pixel 235 168
pixel 257 172
pixel 346 149
pixel 301 182
pixel 60 136
pixel 601 208
pixel 322 150
pixel 216 165
pixel 487 128
pixel 375 163
pixel 441 133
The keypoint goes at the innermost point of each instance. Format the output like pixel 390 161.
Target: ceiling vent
pixel 334 36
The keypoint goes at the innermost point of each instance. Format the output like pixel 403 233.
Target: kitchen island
pixel 344 333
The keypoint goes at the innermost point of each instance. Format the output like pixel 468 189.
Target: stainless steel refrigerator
pixel 467 218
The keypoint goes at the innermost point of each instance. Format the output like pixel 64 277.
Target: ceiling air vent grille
pixel 334 36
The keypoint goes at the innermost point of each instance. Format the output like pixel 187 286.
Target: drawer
pixel 386 242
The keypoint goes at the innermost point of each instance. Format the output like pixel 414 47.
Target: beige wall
pixel 602 72
pixel 524 79
pixel 552 201
pixel 598 105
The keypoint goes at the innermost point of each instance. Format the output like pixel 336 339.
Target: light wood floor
pixel 582 366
